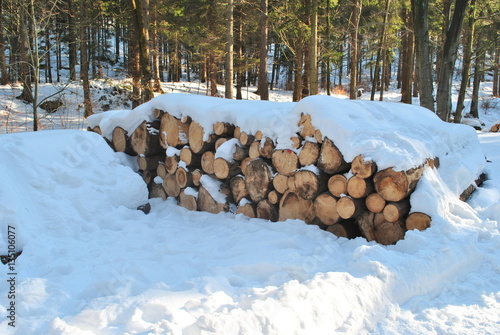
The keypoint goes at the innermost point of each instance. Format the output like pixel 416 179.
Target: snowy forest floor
pixel 113 94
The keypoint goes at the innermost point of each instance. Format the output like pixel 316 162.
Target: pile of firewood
pixel 227 169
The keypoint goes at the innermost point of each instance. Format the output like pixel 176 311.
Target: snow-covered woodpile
pixel 219 165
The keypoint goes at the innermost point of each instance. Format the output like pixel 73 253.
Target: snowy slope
pixel 92 264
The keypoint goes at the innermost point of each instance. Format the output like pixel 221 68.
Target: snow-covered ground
pixel 93 264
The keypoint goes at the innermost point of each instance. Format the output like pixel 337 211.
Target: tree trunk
pixel 478 72
pixel 4 74
pixel 48 58
pixel 84 66
pixel 408 56
pixel 313 49
pixel 135 67
pixel 496 77
pixel 443 95
pixel 354 27
pixel 467 61
pixel 72 45
pixel 420 10
pixel 240 73
pixel 263 88
pixel 299 57
pixel 229 50
pixel 141 24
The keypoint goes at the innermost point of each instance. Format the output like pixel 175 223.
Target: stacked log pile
pixel 226 169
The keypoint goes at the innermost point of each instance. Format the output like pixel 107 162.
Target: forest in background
pixel 342 46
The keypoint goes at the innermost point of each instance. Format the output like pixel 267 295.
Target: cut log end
pixel 419 221
pixel 266 210
pixel 396 185
pixel 325 208
pixel 285 161
pixel 293 206
pixel 363 169
pixel 337 185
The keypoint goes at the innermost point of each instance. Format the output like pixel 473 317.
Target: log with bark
pixel 280 183
pixel 197 141
pixel 187 201
pixel 396 185
pixel 387 233
pixel 309 184
pixel 238 188
pixel 306 127
pixel 254 150
pixel 145 139
pixel 150 163
pixel 337 185
pixel 309 153
pixel 223 129
pixel 349 207
pixel 375 203
pixel 325 208
pixel 495 127
pixel 157 191
pixel 207 203
pixel 417 220
pixel 266 148
pixel 258 179
pixel 330 158
pixel 196 176
pixel 266 210
pixel 171 163
pixel 148 176
pixel 191 159
pixel 171 186
pixel 244 163
pixel 363 168
pixel 184 178
pixel 293 206
pixel 274 197
pixel 245 138
pixel 247 208
pixel 161 171
pixel 285 161
pixel 345 228
pixel 318 136
pixel 358 187
pixel 207 162
pixel 121 141
pixel 173 132
pixel 396 211
pixel 224 169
